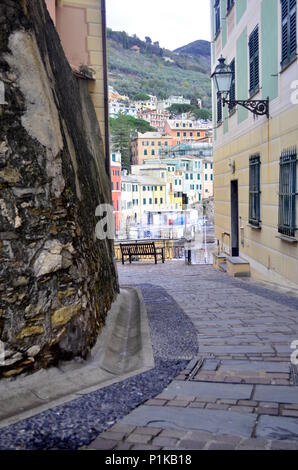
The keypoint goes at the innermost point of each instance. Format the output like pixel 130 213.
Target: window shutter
pixel 293 27
pixel 254 60
pixel 289 30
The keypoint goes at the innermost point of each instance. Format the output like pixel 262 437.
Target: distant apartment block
pixel 156 118
pixel 186 131
pixel 116 186
pixel 148 146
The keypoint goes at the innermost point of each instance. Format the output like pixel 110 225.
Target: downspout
pixel 106 94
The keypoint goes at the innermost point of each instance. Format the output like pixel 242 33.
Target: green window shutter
pixel 254 77
pixel 289 31
pixel 293 27
pixel 219 108
pixel 254 190
pixel 287 193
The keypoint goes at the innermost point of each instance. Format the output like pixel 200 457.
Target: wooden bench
pixel 147 249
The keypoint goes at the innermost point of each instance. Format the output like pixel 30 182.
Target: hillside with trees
pixel 151 69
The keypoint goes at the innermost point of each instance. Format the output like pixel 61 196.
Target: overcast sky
pixel 173 23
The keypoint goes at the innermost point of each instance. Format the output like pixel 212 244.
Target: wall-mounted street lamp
pixel 222 77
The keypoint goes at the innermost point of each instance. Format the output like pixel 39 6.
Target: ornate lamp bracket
pixel 257 107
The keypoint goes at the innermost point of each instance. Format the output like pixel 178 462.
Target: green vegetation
pixel 131 73
pixel 141 97
pixel 122 128
pixel 199 113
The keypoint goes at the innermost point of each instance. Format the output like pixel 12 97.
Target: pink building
pixel 116 186
pixel 157 118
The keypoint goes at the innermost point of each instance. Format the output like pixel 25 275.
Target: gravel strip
pixel 79 422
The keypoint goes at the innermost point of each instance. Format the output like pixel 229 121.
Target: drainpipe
pixel 106 93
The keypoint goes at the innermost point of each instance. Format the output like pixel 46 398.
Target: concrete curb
pixel 123 350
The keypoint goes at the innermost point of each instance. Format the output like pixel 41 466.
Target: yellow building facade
pixel 255 158
pixel 81 25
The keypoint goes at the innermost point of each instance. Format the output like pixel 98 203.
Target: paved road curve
pixel 240 391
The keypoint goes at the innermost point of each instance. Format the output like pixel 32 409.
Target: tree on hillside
pixel 122 128
pixel 148 40
pixel 202 113
pixel 141 97
pixel 176 109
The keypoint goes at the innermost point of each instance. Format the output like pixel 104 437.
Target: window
pixel 191 134
pixel 233 86
pixel 144 202
pixel 117 186
pixel 145 152
pixel 161 200
pixel 198 134
pixel 186 176
pixel 217 16
pixel 144 188
pixel 254 190
pixel 211 177
pixel 113 157
pixel 152 152
pixel 253 45
pixel 152 143
pixel 176 182
pixel 206 177
pixel 150 201
pixel 156 200
pixel 219 109
pixel 159 144
pixel 287 193
pixel 160 188
pixel 112 186
pixel 289 32
pixel 230 4
pixel 199 177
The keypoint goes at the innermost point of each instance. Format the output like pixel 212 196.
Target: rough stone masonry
pixel 57 282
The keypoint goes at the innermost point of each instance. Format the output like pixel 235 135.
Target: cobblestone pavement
pixel 240 391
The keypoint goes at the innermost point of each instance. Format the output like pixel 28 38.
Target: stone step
pixel 238 267
pixel 223 267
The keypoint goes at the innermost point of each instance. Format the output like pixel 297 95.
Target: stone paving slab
pixel 186 419
pixel 277 427
pixel 253 366
pixel 276 393
pixel 232 349
pixel 208 390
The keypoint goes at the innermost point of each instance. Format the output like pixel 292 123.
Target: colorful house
pixel 115 164
pixel 148 146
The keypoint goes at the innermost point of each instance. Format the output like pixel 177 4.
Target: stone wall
pixel 57 282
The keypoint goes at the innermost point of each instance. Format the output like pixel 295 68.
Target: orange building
pixel 186 131
pixel 148 146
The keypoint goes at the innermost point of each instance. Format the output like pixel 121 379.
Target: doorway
pixel 234 218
